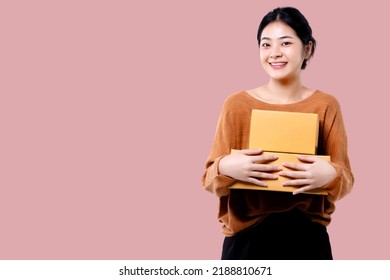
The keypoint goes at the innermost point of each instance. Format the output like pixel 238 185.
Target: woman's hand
pixel 313 173
pixel 249 166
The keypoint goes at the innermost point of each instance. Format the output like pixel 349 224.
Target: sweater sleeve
pixel 337 147
pixel 223 142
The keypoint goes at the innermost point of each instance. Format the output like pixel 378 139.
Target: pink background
pixel 108 110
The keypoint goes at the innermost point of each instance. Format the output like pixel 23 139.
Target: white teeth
pixel 278 64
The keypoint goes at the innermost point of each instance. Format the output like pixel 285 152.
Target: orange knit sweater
pixel 240 209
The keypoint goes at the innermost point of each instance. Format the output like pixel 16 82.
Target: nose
pixel 275 52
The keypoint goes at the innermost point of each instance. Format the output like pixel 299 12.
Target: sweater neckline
pixel 303 101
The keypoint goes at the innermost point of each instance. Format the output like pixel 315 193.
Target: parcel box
pixel 279 131
pixel 276 185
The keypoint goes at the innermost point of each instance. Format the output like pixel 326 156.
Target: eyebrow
pixel 280 38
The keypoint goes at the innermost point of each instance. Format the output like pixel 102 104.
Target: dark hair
pixel 293 18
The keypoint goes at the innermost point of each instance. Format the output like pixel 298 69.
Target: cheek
pixel 296 54
pixel 263 55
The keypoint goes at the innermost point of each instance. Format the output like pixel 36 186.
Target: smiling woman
pixel 286 43
pixel 267 224
pixel 283 54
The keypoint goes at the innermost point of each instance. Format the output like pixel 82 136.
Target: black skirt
pixel 280 236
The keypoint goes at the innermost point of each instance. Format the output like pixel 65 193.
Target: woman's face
pixel 282 52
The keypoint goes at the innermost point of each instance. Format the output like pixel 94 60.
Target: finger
pixel 266 167
pixel 298 182
pixel 296 166
pixel 307 158
pixel 263 175
pixel 264 158
pixel 257 182
pixel 294 174
pixel 251 152
pixel 302 190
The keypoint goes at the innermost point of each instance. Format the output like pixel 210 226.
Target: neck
pixel 286 91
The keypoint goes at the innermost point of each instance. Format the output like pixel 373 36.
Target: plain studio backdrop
pixel 108 110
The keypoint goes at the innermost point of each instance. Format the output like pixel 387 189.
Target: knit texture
pixel 240 209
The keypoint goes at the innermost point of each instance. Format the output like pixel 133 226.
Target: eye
pixel 265 45
pixel 286 43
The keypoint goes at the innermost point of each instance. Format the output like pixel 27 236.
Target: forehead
pixel 278 29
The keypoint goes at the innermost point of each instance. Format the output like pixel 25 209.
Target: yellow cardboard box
pixel 277 185
pixel 280 131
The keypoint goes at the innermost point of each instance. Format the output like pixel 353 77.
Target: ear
pixel 308 49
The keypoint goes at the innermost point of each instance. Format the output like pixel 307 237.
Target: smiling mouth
pixel 277 64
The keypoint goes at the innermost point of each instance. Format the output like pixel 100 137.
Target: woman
pixel 278 225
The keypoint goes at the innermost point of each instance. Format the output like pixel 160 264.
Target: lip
pixel 277 65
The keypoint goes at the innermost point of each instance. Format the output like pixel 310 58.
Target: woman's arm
pixel 335 176
pixel 249 165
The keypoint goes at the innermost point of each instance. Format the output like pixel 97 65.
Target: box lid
pixel 280 131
